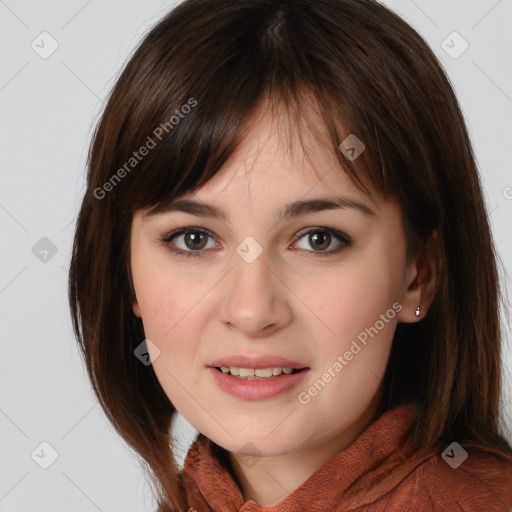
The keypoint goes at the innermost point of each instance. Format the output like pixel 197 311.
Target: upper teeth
pixel 259 372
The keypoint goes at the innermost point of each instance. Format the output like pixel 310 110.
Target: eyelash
pixel 341 237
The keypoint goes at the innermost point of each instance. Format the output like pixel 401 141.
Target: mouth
pixel 271 372
pixel 258 383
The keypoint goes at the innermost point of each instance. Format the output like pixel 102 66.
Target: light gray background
pixel 48 108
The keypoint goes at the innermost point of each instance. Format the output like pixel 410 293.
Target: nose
pixel 256 297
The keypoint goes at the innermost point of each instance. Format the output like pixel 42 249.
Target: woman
pixel 284 238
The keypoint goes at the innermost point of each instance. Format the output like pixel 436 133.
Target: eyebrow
pixel 294 209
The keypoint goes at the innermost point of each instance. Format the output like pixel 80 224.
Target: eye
pixel 322 238
pixel 194 239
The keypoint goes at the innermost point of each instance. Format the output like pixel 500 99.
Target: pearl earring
pixel 418 311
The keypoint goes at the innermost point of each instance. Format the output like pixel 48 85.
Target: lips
pixel 258 389
pixel 258 362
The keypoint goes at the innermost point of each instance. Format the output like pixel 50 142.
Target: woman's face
pixel 266 286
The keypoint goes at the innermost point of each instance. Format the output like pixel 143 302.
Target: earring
pixel 418 311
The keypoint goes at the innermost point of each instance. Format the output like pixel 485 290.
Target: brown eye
pixel 195 240
pixel 320 241
pixel 188 241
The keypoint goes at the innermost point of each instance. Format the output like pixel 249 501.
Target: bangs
pixel 188 116
pixel 199 146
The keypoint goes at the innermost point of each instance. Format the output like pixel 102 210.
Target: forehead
pixel 283 156
pixel 276 135
pixel 284 166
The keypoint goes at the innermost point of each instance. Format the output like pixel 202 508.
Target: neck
pixel 268 480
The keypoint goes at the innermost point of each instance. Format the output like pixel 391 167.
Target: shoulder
pixel 480 482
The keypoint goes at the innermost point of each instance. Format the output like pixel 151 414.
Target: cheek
pixel 168 320
pixel 173 299
pixel 165 311
pixel 356 299
pixel 360 309
pixel 162 294
pixel 354 352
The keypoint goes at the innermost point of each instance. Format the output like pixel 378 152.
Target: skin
pixel 291 302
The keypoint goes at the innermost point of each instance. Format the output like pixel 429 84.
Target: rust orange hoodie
pixel 370 475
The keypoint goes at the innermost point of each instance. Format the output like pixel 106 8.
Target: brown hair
pixel 364 67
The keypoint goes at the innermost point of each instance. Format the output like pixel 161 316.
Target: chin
pixel 257 444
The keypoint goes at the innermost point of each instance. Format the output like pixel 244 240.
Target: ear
pixel 422 280
pixel 135 304
pixel 136 309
